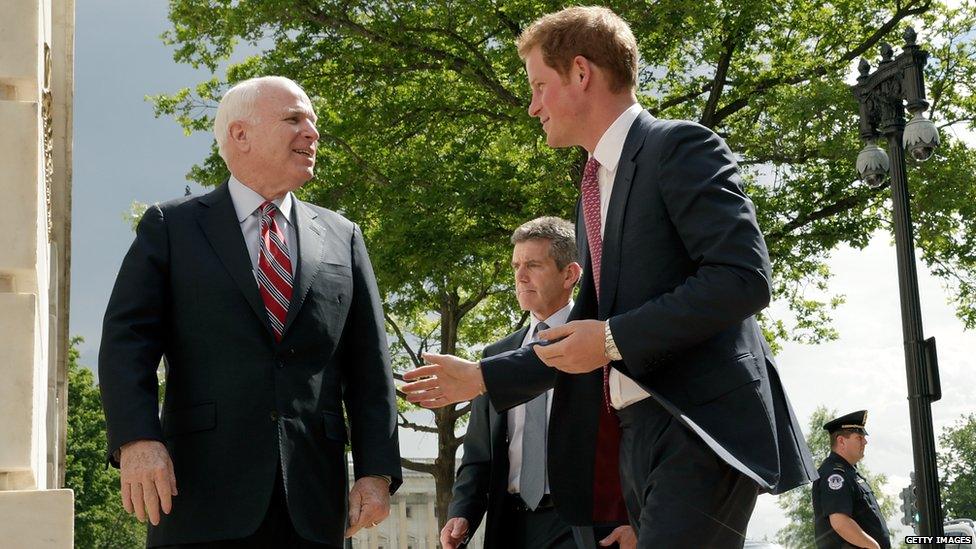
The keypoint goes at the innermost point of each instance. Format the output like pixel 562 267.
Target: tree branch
pixel 841 205
pixel 453 62
pixel 404 422
pixel 419 466
pixel 722 70
pixel 377 176
pixel 403 340
pixel 675 101
pixel 765 84
pixel 465 307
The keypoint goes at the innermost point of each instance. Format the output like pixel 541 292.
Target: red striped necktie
pixel 274 270
pixel 590 191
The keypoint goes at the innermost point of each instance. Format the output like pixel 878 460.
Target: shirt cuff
pixel 387 478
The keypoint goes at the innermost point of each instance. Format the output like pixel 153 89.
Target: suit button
pixel 291 352
pixel 274 415
pixel 281 363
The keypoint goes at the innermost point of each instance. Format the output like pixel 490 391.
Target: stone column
pixel 36 79
pixel 433 529
pixel 403 526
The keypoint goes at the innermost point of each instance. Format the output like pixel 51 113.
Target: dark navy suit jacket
pixel 238 405
pixel 684 270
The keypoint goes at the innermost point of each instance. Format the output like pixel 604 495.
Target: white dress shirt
pixel 623 390
pixel 516 415
pixel 247 203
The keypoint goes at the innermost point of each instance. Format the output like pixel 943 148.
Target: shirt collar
pixel 609 147
pixel 246 201
pixel 557 318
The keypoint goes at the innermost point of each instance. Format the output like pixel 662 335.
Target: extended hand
pixel 449 380
pixel 454 532
pixel 369 503
pixel 581 350
pixel 147 478
pixel 624 535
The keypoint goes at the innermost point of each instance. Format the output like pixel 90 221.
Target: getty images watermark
pixel 916 540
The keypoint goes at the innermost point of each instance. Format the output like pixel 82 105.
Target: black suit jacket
pixel 482 479
pixel 684 271
pixel 239 405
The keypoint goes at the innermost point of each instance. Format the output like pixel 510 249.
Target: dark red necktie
pixel 590 191
pixel 608 501
pixel 274 270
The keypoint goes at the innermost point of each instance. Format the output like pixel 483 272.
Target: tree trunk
pixel 446 419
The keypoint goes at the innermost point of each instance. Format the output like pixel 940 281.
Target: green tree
pixel 957 468
pixel 798 503
pixel 100 520
pixel 427 144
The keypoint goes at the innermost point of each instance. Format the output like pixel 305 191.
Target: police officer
pixel 846 513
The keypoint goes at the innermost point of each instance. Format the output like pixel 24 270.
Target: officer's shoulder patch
pixel 835 481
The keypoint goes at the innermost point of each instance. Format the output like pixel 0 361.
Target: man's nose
pixel 534 107
pixel 310 132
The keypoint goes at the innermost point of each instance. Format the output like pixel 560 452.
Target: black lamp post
pixel 883 98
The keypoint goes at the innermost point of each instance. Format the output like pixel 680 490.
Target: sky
pixel 123 154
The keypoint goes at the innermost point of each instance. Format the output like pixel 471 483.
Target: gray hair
pixel 560 234
pixel 238 104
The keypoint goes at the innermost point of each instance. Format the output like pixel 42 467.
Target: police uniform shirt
pixel 841 489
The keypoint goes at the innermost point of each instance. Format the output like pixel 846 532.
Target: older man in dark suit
pixel 663 331
pixel 267 312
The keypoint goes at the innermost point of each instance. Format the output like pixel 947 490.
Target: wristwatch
pixel 609 346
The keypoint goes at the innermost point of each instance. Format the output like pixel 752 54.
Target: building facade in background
pixel 36 89
pixel 412 523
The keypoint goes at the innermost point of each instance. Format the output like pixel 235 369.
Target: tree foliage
pixel 798 503
pixel 957 468
pixel 100 520
pixel 426 141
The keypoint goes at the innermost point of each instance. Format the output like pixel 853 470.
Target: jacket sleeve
pixel 515 377
pixel 470 495
pixel 134 333
pixel 367 376
pixel 716 223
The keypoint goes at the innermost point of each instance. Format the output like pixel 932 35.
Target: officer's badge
pixel 835 481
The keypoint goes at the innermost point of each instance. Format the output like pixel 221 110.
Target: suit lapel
pixel 613 230
pixel 498 423
pixel 219 224
pixel 587 293
pixel 311 248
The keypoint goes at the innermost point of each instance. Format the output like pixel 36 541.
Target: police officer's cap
pixel 854 421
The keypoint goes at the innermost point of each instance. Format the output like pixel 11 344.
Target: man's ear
pixel 573 272
pixel 581 71
pixel 238 135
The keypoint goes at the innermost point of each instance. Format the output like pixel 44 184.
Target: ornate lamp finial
pixel 864 67
pixel 886 52
pixel 909 35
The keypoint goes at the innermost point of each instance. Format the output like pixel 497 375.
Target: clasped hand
pixel 577 347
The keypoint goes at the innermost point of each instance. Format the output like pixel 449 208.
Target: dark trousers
pixel 539 529
pixel 677 491
pixel 276 530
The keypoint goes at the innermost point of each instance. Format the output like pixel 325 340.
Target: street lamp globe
pixel 872 164
pixel 921 137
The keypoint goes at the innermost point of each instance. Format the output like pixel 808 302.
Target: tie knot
pixel 268 209
pixel 538 328
pixel 592 165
